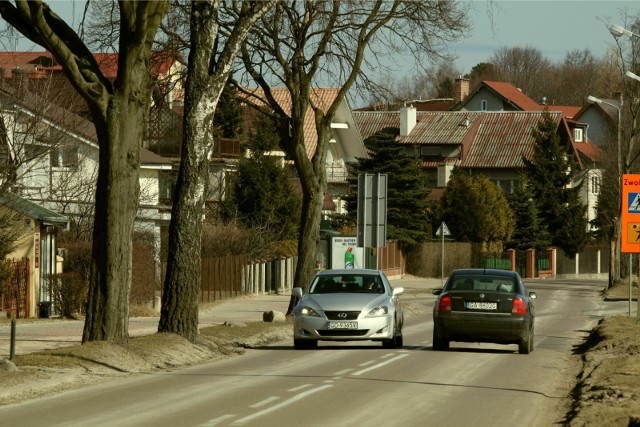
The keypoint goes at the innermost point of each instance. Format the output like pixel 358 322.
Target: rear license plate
pixel 343 325
pixel 482 305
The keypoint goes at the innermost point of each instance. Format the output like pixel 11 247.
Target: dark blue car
pixel 484 305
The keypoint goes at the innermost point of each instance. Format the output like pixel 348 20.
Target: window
pixel 484 105
pixel 64 156
pixel 595 185
pixel 578 134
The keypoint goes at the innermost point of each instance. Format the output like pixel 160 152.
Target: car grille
pixel 343 333
pixel 342 315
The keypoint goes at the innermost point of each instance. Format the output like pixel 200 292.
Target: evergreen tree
pixel 476 210
pixel 529 231
pixel 409 212
pixel 262 194
pixel 227 120
pixel 559 206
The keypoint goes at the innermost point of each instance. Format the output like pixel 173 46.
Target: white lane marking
pixel 379 365
pixel 214 421
pixel 281 404
pixel 301 387
pixel 265 402
pixel 344 371
pixel 367 363
pixel 388 355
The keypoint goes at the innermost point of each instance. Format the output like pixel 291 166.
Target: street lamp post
pixel 594 100
pixel 618 31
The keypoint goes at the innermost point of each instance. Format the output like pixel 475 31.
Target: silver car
pixel 348 305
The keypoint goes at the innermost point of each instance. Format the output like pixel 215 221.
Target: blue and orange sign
pixel 630 239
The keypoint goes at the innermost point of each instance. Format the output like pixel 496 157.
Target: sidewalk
pixel 52 333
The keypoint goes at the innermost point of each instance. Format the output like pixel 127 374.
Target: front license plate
pixel 343 325
pixel 482 305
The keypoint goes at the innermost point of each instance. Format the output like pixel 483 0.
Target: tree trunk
pixel 314 184
pixel 116 205
pixel 179 313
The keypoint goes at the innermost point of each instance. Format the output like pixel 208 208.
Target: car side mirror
pixel 297 292
pixel 398 291
pixel 436 291
pixel 533 295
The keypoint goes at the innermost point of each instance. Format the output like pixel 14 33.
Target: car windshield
pixel 347 283
pixel 483 283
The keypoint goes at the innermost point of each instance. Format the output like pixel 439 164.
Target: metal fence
pixel 231 276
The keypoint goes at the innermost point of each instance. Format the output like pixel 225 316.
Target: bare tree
pixel 211 57
pixel 524 67
pixel 306 45
pixel 576 77
pixel 118 110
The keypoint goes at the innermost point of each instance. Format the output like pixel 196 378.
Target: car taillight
pixel 444 304
pixel 519 306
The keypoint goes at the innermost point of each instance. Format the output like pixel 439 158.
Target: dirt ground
pixel 607 371
pixel 601 382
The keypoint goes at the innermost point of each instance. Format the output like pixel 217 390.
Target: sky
pixel 554 27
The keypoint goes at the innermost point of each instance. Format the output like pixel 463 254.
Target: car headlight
pixel 378 311
pixel 308 311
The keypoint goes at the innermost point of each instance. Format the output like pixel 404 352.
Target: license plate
pixel 343 325
pixel 482 305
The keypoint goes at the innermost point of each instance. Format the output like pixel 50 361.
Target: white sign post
pixel 443 230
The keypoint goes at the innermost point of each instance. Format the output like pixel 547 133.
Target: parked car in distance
pixel 348 305
pixel 484 305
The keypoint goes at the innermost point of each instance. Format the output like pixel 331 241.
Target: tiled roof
pixel 320 97
pixel 488 139
pixel 160 62
pixel 514 95
pixel 501 140
pixel 589 150
pixel 371 122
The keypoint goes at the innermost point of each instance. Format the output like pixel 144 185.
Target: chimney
pixel 462 89
pixel 407 120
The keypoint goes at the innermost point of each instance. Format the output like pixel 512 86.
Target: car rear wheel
pixel 304 344
pixel 439 344
pixel 526 346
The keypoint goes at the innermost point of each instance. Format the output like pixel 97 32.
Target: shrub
pixel 69 293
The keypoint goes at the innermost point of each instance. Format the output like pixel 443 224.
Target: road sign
pixel 443 230
pixel 372 210
pixel 630 241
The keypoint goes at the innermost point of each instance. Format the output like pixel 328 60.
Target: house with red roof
pixel 34 69
pixel 501 96
pixel 489 143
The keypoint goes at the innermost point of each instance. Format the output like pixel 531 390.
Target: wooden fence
pixel 15 295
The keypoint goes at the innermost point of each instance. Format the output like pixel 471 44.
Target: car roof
pixel 493 271
pixel 341 271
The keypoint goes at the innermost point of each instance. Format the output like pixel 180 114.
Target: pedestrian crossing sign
pixel 633 204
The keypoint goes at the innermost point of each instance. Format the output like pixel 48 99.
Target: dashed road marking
pixel 379 365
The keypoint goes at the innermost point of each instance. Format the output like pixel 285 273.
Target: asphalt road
pixel 349 384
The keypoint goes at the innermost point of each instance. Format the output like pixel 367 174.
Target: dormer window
pixel 484 105
pixel 578 135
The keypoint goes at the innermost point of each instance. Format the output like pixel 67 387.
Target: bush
pixel 69 292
